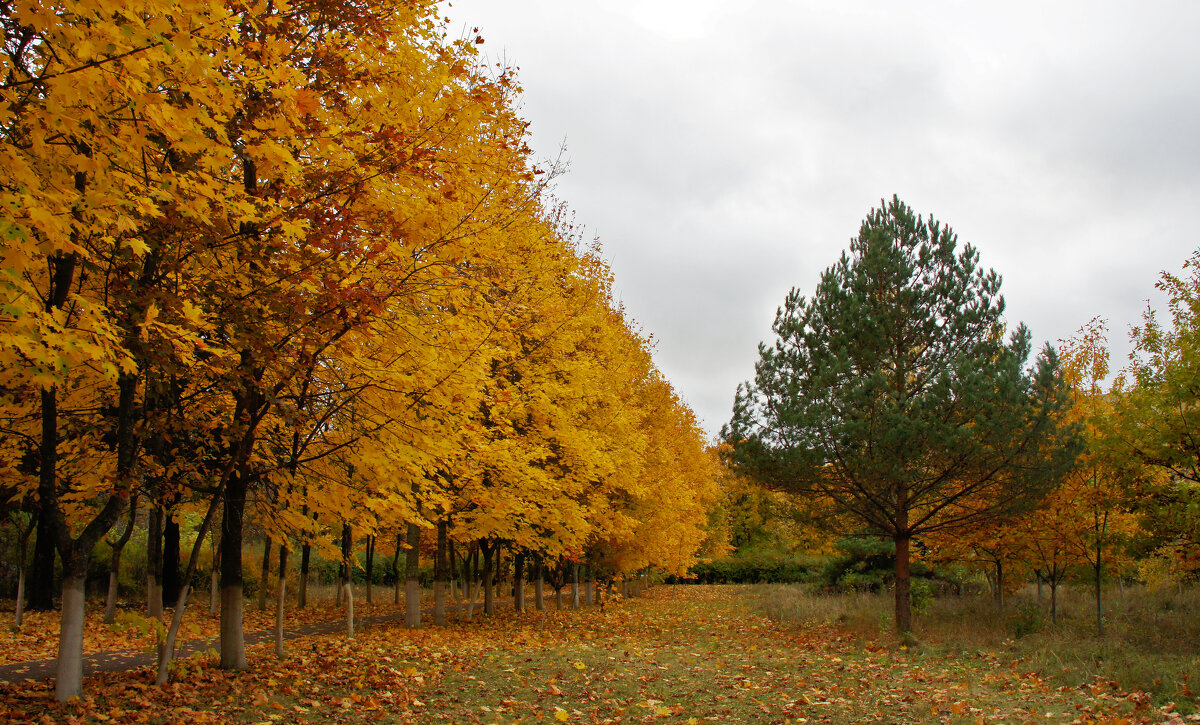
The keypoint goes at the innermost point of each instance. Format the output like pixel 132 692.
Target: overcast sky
pixel 726 151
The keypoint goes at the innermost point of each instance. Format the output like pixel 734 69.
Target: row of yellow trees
pixel 293 261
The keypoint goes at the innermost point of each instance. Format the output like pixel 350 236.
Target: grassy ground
pixel 679 655
pixel 1151 641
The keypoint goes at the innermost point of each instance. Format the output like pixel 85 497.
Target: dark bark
pixel 233 642
pixel 264 575
pixel 519 581
pixel 489 573
pixel 41 580
pixel 412 586
pixel 114 569
pixel 171 581
pixel 370 564
pixel 154 598
pixel 903 586
pixel 302 596
pixel 441 573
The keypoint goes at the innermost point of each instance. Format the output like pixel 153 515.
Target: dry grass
pixel 1151 641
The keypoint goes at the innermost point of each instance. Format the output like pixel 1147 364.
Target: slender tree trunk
pixel 1098 570
pixel 347 589
pixel 114 569
pixel 302 594
pixel 281 600
pixel 41 586
pixel 519 581
pixel 1000 583
pixel 68 679
pixel 370 565
pixel 170 554
pixel 539 601
pixel 1054 600
pixel 233 640
pixel 441 573
pixel 154 592
pixel 264 575
pixel 22 567
pixel 471 565
pixel 166 650
pixel 575 586
pixel 489 598
pixel 214 592
pixel 589 586
pixel 412 584
pixel 903 585
pixel 396 578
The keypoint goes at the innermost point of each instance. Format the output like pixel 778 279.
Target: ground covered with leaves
pixel 677 655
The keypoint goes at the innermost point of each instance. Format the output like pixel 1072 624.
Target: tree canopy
pixel 895 399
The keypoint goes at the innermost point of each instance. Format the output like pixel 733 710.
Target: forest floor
pixel 676 655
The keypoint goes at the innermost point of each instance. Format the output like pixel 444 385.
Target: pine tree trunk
pixel 903 585
pixel 412 584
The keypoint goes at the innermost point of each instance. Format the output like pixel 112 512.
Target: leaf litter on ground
pixel 676 655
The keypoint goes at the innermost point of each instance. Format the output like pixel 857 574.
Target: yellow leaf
pixel 561 715
pixel 580 666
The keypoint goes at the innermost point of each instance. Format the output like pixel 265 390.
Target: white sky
pixel 726 151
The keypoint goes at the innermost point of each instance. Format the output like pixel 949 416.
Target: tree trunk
pixel 539 585
pixel 302 594
pixel 41 587
pixel 281 600
pixel 589 586
pixel 346 588
pixel 1000 583
pixel 166 650
pixel 370 565
pixel 396 578
pixel 1099 571
pixel 441 573
pixel 489 598
pixel 1054 601
pixel 519 581
pixel 471 574
pixel 264 575
pixel 19 614
pixel 575 586
pixel 114 569
pixel 903 585
pixel 154 593
pixel 215 576
pixel 68 679
pixel 233 641
pixel 412 584
pixel 170 555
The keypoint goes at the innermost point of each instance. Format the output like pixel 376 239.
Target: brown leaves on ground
pixel 680 655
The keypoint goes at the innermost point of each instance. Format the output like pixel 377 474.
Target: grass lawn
pixel 677 655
